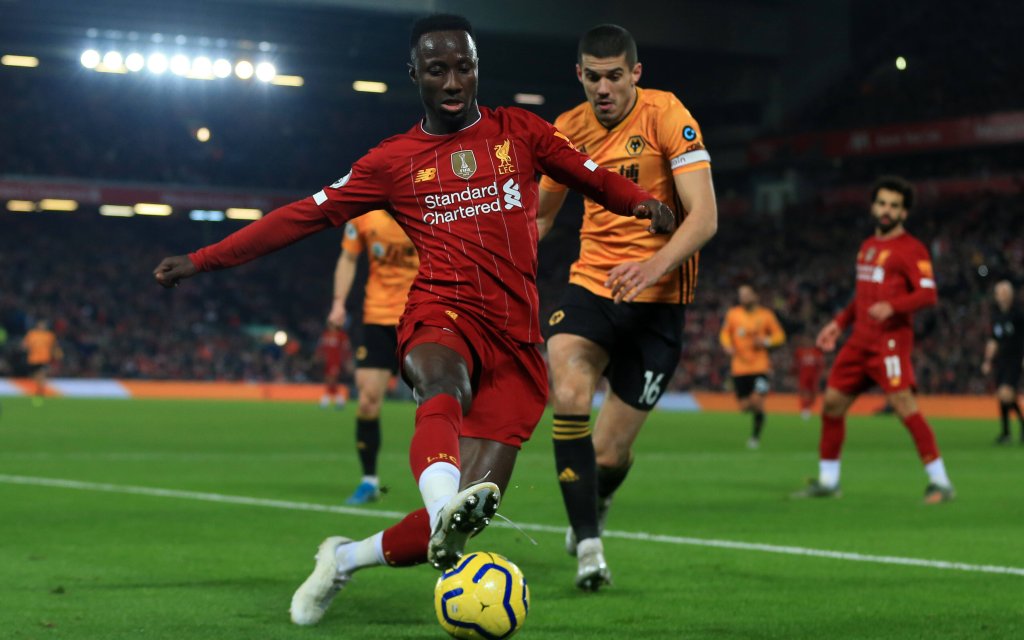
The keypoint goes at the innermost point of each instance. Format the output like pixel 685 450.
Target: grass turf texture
pixel 85 564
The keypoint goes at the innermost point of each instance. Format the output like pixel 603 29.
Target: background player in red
pixel 808 363
pixel 894 279
pixel 333 351
pixel 461 184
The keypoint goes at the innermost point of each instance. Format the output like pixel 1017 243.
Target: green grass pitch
pixel 85 563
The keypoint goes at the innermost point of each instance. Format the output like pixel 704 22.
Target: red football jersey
pixel 333 346
pixel 808 360
pixel 897 270
pixel 467 200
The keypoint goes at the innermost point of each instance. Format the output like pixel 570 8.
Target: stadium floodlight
pixel 367 86
pixel 57 204
pixel 19 61
pixel 21 206
pixel 222 67
pixel 157 63
pixel 205 215
pixel 901 63
pixel 180 64
pixel 152 209
pixel 244 69
pixel 203 134
pixel 134 61
pixel 113 59
pixel 238 213
pixel 116 210
pixel 529 98
pixel 288 81
pixel 201 66
pixel 280 338
pixel 90 58
pixel 265 72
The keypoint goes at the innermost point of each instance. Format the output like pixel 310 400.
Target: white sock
pixel 828 473
pixel 361 554
pixel 438 483
pixel 372 480
pixel 936 470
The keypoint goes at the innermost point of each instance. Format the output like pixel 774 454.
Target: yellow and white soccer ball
pixel 483 596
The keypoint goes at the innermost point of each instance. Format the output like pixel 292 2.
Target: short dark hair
pixel 608 41
pixel 439 22
pixel 900 185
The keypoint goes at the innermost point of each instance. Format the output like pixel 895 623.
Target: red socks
pixel 924 437
pixel 436 439
pixel 405 544
pixel 833 432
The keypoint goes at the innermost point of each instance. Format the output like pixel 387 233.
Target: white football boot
pixel 592 572
pixel 310 602
pixel 465 515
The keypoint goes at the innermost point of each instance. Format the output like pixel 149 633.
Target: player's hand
pixel 661 217
pixel 173 270
pixel 337 315
pixel 628 279
pixel 986 367
pixel 880 311
pixel 828 336
pixel 729 351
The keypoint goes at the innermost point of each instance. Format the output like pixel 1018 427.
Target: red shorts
pixel 808 381
pixel 332 369
pixel 509 378
pixel 855 369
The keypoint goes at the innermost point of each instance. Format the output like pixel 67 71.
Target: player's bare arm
pixel 344 275
pixel 549 203
pixel 828 336
pixel 880 311
pixel 991 348
pixel 697 196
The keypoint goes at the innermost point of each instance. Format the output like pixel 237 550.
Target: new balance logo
pixel 424 175
pixel 513 198
pixel 568 475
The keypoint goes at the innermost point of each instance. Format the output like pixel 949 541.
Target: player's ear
pixel 638 70
pixel 579 72
pixel 412 71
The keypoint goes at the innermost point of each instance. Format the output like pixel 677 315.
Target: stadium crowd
pixel 112 321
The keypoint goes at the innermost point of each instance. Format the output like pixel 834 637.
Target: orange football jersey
pixel 655 141
pixel 393 264
pixel 40 345
pixel 747 332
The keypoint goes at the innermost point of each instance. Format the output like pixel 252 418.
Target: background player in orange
pixel 808 363
pixel 333 350
pixel 748 332
pixel 1005 347
pixel 393 267
pixel 43 350
pixel 622 313
pixel 894 279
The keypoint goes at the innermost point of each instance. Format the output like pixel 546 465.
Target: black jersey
pixel 1008 332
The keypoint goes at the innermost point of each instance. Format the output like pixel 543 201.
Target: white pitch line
pixel 544 528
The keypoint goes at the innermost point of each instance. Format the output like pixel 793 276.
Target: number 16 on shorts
pixel 652 388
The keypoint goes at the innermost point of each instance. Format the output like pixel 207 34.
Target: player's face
pixel 888 210
pixel 1004 295
pixel 747 296
pixel 610 86
pixel 444 67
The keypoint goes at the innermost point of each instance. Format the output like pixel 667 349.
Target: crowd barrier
pixel 949 406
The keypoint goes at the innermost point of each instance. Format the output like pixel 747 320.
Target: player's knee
pixel 1004 394
pixel 452 386
pixel 570 397
pixel 903 403
pixel 369 405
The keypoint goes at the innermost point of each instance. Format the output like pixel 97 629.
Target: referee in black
pixel 1004 353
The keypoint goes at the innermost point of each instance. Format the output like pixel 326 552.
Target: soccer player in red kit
pixel 461 184
pixel 333 351
pixel 808 363
pixel 894 279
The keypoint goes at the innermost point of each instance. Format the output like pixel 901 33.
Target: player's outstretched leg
pixel 311 599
